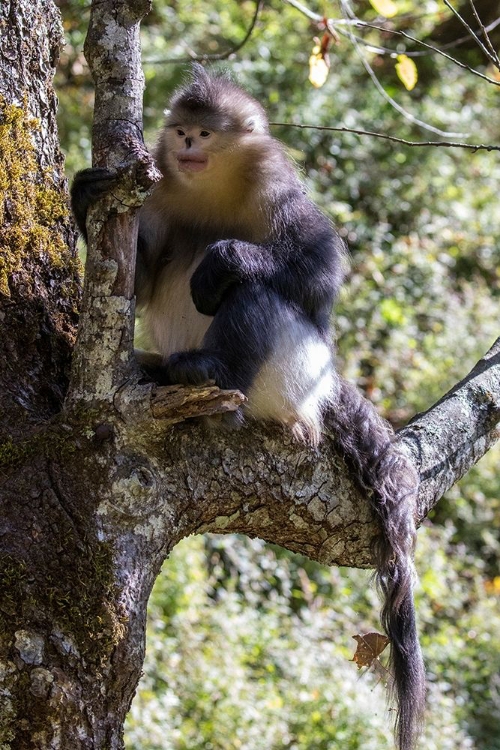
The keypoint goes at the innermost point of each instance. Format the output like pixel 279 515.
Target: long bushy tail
pixel 392 483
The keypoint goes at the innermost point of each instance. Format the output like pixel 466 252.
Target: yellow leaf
pixel 385 7
pixel 318 68
pixel 493 586
pixel 407 72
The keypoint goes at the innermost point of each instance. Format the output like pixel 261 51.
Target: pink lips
pixel 191 163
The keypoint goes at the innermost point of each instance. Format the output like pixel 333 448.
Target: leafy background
pixel 249 646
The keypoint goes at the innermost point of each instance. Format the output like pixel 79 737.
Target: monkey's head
pixel 209 125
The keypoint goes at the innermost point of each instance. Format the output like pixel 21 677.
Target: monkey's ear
pixel 255 124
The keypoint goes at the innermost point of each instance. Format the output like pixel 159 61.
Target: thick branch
pixel 453 434
pixel 176 481
pixel 105 340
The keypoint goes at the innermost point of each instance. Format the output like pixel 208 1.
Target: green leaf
pixel 392 312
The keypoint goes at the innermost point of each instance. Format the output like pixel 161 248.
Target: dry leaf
pixel 370 646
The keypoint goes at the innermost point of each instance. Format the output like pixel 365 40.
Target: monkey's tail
pixel 392 484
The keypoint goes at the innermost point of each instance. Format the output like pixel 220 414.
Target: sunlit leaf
pixel 392 311
pixel 385 7
pixel 318 67
pixel 407 72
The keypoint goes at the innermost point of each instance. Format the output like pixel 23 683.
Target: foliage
pixel 247 653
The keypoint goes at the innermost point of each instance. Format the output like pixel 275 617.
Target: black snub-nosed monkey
pixel 237 272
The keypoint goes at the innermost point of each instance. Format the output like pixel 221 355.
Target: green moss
pixel 13 578
pixel 49 443
pixel 31 208
pixel 83 602
pixel 79 599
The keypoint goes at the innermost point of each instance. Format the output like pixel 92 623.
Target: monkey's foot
pixel 194 368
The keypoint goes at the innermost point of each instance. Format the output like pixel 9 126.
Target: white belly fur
pixel 171 319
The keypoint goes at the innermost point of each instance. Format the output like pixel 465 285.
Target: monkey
pixel 237 270
pixel 237 273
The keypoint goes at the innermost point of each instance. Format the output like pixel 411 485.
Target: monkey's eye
pixel 180 132
pixel 205 133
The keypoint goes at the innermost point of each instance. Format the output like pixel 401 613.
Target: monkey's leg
pixel 234 346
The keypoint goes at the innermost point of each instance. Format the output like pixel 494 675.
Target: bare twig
pixel 443 144
pixel 473 34
pixel 485 35
pixel 218 55
pixel 305 11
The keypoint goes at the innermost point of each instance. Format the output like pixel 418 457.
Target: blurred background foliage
pixel 249 646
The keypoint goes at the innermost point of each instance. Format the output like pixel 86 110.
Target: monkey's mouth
pixel 192 163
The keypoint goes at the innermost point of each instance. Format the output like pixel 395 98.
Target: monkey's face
pixel 191 149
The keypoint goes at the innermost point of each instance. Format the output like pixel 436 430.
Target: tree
pixel 101 474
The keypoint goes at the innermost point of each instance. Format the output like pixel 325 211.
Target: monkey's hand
pixel 88 186
pixel 217 272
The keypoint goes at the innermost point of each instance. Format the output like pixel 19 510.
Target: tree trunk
pixel 39 280
pixel 96 490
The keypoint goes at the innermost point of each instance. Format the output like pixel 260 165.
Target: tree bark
pixel 39 272
pixel 96 492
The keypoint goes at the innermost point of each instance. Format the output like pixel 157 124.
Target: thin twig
pixel 394 104
pixel 445 144
pixel 218 55
pixel 471 32
pixel 485 34
pixel 305 11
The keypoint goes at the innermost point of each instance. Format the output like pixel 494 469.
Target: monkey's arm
pixel 307 269
pixel 226 263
